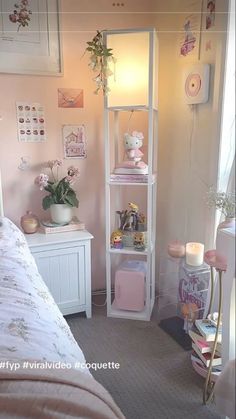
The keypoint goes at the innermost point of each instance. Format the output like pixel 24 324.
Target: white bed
pixel 42 372
pixel 26 306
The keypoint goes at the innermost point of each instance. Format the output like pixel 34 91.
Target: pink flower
pixel 70 179
pixel 41 181
pixel 54 163
pixel 13 18
pixel 23 14
pixel 73 171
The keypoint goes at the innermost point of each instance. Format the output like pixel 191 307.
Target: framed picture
pixel 30 37
pixel 74 141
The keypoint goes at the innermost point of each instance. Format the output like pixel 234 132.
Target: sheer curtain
pixel 226 168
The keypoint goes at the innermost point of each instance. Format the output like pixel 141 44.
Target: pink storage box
pixel 130 285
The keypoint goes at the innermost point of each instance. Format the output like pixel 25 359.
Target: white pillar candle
pixel 194 254
pixel 1 199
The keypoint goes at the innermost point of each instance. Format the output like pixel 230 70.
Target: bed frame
pixel 1 198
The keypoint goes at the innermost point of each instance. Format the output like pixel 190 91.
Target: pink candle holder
pixel 176 249
pixel 215 260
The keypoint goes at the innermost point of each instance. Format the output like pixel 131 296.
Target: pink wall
pixel 79 19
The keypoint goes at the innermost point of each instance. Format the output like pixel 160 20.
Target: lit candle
pixel 194 254
pixel 1 199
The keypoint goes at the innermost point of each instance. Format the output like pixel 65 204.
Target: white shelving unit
pixel 114 116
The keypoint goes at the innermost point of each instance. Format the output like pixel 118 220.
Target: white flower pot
pixel 61 213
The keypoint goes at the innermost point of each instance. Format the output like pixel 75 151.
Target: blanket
pixel 54 394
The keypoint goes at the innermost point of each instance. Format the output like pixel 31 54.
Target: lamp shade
pixel 130 83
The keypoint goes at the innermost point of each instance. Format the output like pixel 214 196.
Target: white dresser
pixel 64 262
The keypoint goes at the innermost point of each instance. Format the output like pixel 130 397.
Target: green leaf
pixel 49 188
pixel 71 199
pixel 47 202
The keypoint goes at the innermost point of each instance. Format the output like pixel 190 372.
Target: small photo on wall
pixel 210 17
pixel 74 141
pixel 70 98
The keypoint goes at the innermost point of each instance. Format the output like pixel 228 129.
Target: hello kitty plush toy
pixel 133 162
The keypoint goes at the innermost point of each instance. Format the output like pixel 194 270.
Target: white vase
pixel 61 213
pixel 229 222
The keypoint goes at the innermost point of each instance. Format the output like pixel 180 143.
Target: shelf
pixel 129 99
pixel 136 108
pixel 130 251
pixel 129 182
pixel 128 314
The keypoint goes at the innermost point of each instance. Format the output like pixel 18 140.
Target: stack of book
pixel 49 227
pixel 203 336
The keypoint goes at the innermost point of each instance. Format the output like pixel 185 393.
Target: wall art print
pixel 210 15
pixel 190 30
pixel 30 122
pixel 70 98
pixel 30 37
pixel 74 141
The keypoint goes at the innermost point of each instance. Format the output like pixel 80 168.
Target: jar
pixel 29 223
pixel 176 249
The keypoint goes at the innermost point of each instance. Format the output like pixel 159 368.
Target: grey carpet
pixel 155 380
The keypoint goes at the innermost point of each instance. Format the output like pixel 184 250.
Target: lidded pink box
pixel 130 285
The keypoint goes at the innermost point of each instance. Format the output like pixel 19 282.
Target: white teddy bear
pixel 132 163
pixel 132 145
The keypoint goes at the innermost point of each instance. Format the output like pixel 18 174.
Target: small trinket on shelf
pixel 29 223
pixel 129 218
pixel 139 241
pixel 116 239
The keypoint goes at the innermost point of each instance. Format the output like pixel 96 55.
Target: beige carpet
pixel 155 379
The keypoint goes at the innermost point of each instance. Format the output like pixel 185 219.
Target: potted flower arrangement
pixel 224 202
pixel 61 198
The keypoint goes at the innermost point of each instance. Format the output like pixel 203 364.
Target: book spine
pixel 48 230
pixel 216 360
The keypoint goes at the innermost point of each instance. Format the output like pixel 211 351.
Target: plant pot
pixel 61 213
pixel 229 222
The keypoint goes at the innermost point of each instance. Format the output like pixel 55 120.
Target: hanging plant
pixel 101 58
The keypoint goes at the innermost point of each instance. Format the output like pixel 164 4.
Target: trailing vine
pixel 100 59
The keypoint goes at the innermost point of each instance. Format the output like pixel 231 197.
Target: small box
pixel 130 285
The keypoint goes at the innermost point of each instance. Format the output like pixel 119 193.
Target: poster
pixel 210 15
pixel 70 98
pixel 74 141
pixel 190 30
pixel 30 122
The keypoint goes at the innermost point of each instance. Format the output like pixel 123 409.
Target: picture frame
pixel 30 37
pixel 74 141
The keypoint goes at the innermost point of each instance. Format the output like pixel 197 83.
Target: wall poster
pixel 30 122
pixel 74 141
